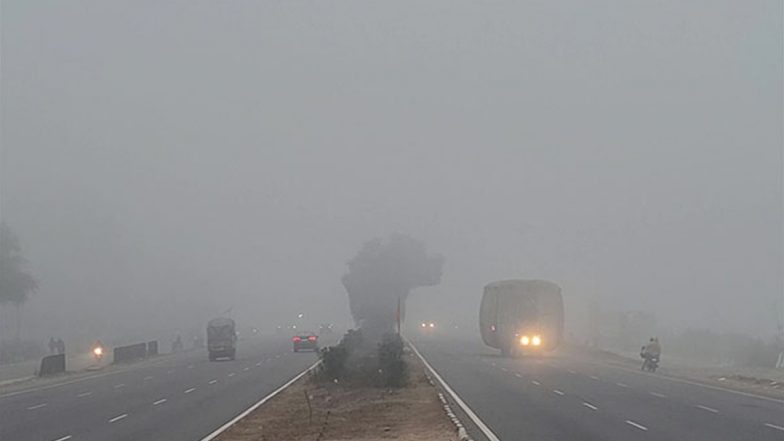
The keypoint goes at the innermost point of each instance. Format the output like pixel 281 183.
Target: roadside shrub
pixel 391 365
pixel 334 359
pixel 354 361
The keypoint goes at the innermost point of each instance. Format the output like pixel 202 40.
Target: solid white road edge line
pixel 684 381
pixel 245 413
pixel 477 421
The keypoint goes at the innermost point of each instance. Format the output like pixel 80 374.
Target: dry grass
pixel 413 413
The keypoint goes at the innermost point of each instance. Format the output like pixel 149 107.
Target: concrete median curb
pixel 480 425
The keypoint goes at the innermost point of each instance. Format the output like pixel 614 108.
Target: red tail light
pixel 296 339
pixel 312 338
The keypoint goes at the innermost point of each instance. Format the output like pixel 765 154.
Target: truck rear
pixel 221 338
pixel 521 316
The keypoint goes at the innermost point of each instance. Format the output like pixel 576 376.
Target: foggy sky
pixel 169 160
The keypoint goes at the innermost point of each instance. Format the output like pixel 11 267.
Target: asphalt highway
pixel 571 397
pixel 175 397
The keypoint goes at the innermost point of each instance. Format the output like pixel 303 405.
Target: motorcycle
pixel 98 353
pixel 649 362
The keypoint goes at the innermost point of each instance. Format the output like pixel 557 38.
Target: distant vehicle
pixel 221 339
pixel 326 328
pixel 521 316
pixel 427 327
pixel 305 341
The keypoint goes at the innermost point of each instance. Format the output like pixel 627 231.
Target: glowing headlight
pixel 424 325
pixel 524 340
pixel 432 325
pixel 98 351
pixel 536 340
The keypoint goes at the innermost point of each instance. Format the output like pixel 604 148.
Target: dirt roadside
pixel 413 413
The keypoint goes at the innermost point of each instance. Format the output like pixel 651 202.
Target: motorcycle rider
pixel 651 351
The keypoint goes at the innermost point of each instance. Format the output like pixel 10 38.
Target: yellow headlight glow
pixel 524 340
pixel 536 340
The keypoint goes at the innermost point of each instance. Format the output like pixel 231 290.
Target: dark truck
pixel 521 316
pixel 221 338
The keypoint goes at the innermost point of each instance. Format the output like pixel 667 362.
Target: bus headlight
pixel 536 340
pixel 524 340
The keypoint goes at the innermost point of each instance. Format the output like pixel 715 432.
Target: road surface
pixel 568 397
pixel 176 397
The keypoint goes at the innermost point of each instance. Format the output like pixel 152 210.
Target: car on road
pixel 427 328
pixel 305 341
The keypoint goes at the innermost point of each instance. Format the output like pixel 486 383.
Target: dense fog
pixel 164 163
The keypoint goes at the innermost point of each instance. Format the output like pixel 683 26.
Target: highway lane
pixel 178 397
pixel 565 396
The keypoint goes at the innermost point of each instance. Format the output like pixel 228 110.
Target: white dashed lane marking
pixel 84 394
pixel 118 418
pixel 518 376
pixel 37 406
pixel 258 364
pixel 590 406
pixel 535 382
pixel 637 425
pixel 161 401
pixel 245 369
pixel 504 369
pixel 558 392
pixel 187 391
pixel 706 408
pixel 118 386
pixel 231 374
pixel 594 377
pixel 656 394
pixel 773 426
pixel 66 437
pixel 147 378
pixel 212 381
pixel 622 384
